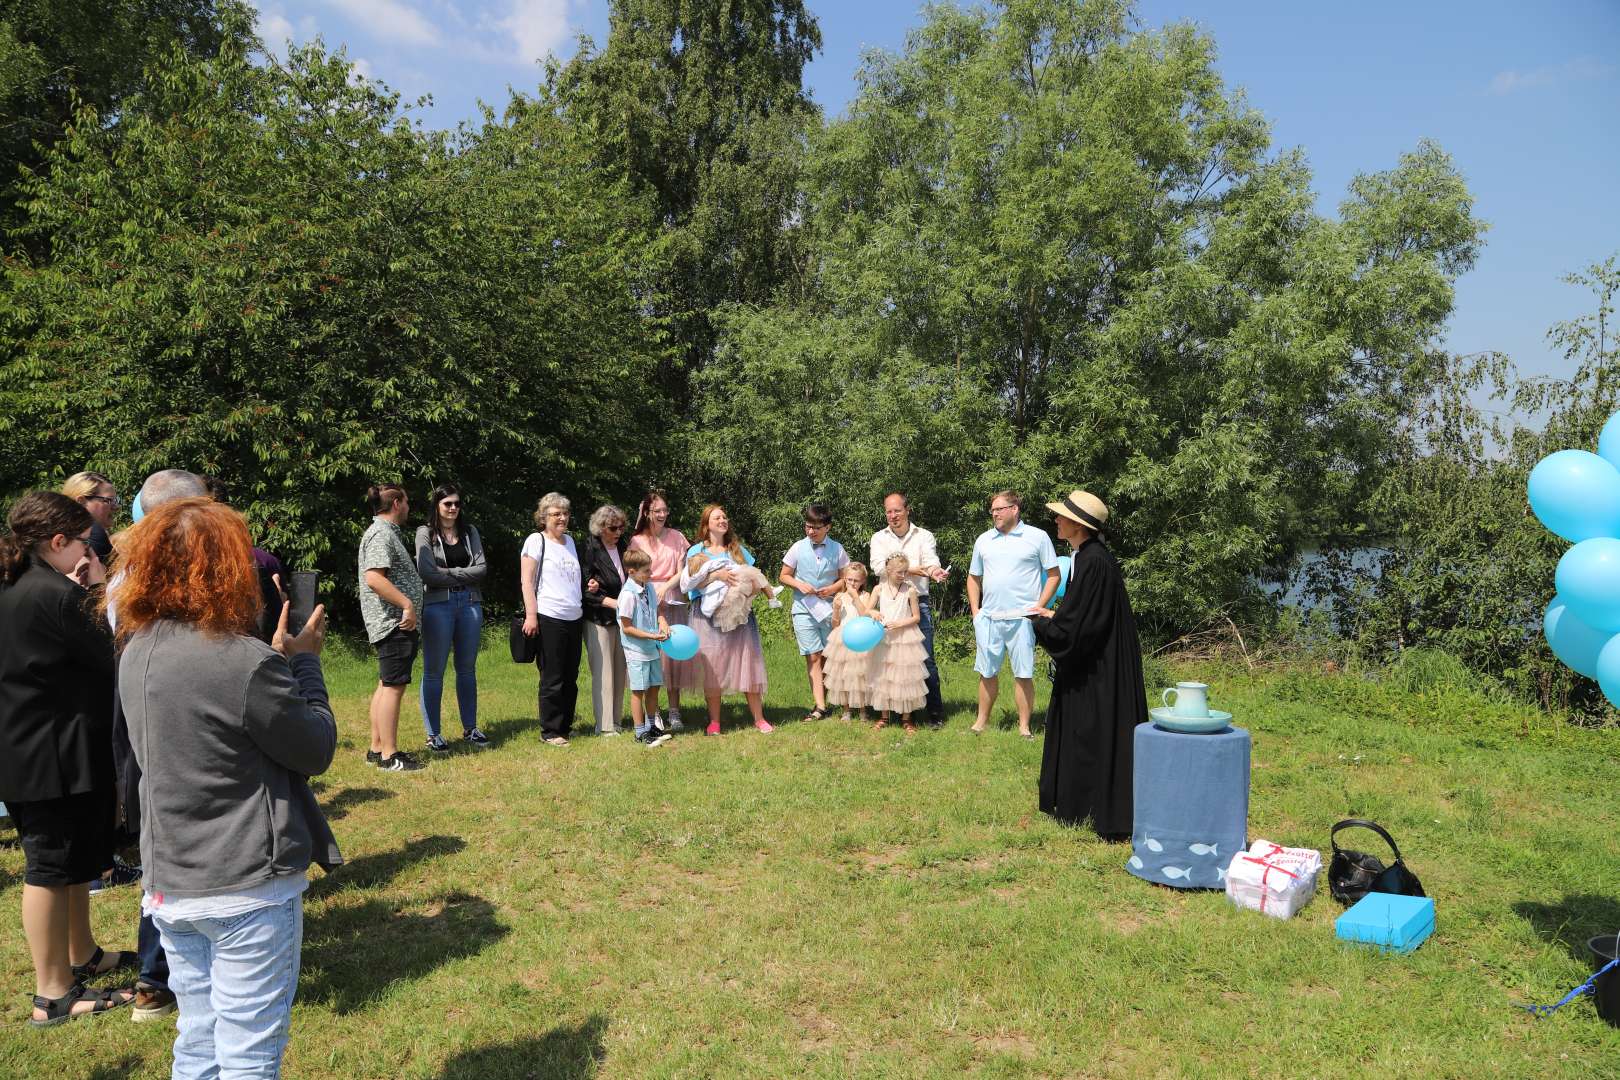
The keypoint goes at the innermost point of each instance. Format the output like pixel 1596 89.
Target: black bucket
pixel 1606 991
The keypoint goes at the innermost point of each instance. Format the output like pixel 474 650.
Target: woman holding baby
pixel 729 661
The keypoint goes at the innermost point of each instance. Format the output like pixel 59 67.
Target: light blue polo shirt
pixel 639 608
pixel 1012 567
pixel 814 564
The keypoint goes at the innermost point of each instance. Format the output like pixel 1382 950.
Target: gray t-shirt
pixel 383 548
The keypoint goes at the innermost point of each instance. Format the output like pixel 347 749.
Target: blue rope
pixel 1585 988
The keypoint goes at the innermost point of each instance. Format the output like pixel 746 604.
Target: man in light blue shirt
pixel 1014 568
pixel 812 568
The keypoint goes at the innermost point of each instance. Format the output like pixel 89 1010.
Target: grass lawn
pixel 833 901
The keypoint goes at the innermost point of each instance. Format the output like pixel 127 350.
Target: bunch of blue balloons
pixel 1576 494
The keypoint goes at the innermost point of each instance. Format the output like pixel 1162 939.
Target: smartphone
pixel 301 592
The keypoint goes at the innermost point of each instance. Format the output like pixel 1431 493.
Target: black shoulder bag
pixel 1354 874
pixel 524 647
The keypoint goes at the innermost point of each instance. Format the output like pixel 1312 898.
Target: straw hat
pixel 1082 507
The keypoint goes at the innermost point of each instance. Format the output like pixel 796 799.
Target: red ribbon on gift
pixel 1270 866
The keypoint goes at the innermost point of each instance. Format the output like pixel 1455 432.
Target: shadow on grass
pixel 1572 920
pixel 353 953
pixel 343 801
pixel 563 1053
pixel 369 871
pixel 500 732
pixel 123 1067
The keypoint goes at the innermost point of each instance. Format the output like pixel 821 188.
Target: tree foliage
pixel 56 58
pixel 700 105
pixel 1464 567
pixel 1078 230
pixel 269 275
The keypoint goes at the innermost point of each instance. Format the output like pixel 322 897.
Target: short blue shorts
pixel 998 639
pixel 811 634
pixel 644 674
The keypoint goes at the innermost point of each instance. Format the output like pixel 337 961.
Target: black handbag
pixel 1354 874
pixel 524 647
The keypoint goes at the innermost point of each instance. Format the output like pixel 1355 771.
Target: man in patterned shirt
pixel 390 597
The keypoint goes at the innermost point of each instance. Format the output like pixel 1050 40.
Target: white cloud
pixel 392 19
pixel 1578 70
pixel 361 70
pixel 534 27
pixel 276 29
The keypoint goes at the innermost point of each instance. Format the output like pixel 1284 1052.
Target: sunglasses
pixel 449 505
pixel 115 500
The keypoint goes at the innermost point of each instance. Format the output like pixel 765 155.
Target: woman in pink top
pixel 667 548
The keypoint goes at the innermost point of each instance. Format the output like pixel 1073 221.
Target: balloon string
pixel 1585 988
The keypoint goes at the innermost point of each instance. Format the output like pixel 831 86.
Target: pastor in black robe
pixel 1097 696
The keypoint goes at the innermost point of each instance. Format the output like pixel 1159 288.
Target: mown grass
pixel 831 901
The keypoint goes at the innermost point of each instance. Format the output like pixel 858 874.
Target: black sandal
pixel 60 1010
pixel 91 968
pixel 816 714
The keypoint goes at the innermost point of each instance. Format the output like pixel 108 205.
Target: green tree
pixel 1080 230
pixel 269 274
pixel 1462 565
pixel 58 57
pixel 700 105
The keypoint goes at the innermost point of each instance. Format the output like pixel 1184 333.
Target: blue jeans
pixel 454 623
pixel 154 965
pixel 934 708
pixel 234 981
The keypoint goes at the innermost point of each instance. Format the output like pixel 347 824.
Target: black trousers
pixel 560 644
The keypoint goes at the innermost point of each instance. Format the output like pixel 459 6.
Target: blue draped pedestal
pixel 1191 795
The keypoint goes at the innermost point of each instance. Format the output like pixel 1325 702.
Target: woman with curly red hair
pixel 226 730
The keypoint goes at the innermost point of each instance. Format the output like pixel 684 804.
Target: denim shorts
pixel 999 639
pixel 811 634
pixel 644 674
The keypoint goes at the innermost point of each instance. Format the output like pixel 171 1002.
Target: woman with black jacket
pixel 56 768
pixel 604 577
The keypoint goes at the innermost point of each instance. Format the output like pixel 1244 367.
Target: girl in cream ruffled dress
pixel 849 673
pixel 902 676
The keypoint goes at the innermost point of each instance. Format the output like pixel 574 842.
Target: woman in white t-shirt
pixel 552 608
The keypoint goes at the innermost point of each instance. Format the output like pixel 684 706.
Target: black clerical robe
pixel 1097 696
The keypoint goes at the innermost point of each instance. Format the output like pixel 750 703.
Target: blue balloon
pixel 682 643
pixel 136 511
pixel 1588 580
pixel 1608 671
pixel 1609 441
pixel 861 634
pixel 1576 494
pixel 1571 640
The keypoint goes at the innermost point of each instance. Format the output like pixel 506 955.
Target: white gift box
pixel 1273 879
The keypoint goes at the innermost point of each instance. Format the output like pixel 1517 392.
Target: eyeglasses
pixel 85 540
pixel 999 509
pixel 113 499
pixel 614 528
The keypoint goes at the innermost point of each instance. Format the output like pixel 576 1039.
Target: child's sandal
pixel 816 714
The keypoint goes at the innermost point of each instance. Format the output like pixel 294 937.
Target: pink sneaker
pixel 712 729
pixel 763 727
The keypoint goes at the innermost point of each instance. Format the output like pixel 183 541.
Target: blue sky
pixel 1525 97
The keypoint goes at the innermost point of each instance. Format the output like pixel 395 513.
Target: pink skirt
pixel 731 662
pixel 678 674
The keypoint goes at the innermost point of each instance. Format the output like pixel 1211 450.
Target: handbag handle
pixel 1362 823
